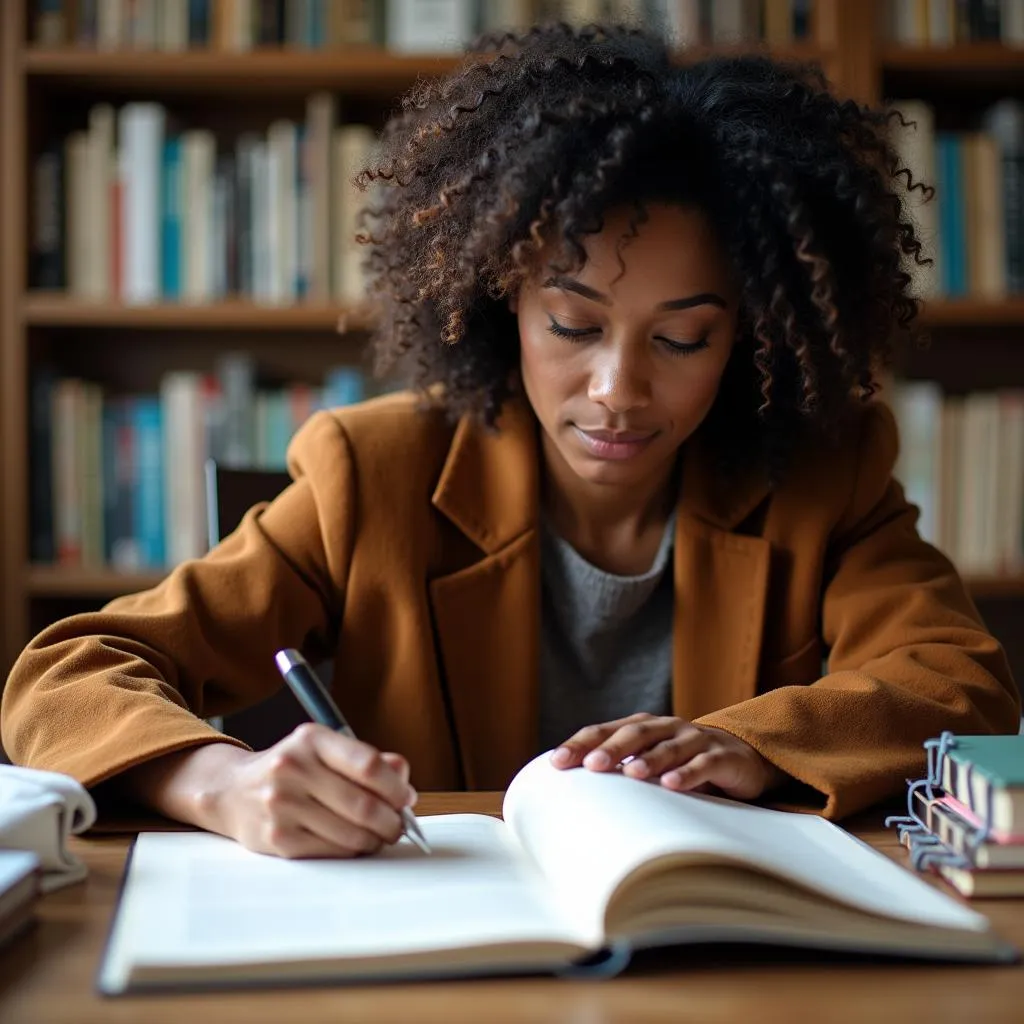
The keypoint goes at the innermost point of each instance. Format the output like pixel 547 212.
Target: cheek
pixel 690 390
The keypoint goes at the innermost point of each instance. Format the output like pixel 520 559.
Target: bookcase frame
pixel 853 56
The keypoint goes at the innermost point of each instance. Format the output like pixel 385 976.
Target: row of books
pixel 130 210
pixel 962 463
pixel 973 228
pixel 946 22
pixel 118 480
pixel 965 818
pixel 404 26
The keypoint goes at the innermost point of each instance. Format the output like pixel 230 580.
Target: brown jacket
pixel 410 548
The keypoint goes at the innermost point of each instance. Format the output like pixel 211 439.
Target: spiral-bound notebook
pixel 584 868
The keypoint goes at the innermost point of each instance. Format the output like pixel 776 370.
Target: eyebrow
pixel 570 284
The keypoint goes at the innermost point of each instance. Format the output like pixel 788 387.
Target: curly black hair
pixel 518 155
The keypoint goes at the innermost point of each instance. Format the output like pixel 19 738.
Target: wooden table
pixel 47 975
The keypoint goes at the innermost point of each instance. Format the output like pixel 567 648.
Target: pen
pixel 313 696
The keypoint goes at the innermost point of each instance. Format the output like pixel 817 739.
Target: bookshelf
pixel 51 88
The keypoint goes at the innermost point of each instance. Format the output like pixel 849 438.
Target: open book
pixel 584 868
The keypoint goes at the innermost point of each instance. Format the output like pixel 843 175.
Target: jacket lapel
pixel 721 585
pixel 487 616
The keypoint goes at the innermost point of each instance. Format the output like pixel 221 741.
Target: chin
pixel 599 471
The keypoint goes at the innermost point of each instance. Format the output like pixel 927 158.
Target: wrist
pixel 774 775
pixel 188 785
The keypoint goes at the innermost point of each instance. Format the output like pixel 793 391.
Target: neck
pixel 591 514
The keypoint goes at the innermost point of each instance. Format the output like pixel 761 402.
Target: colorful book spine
pixel 952 228
pixel 148 499
pixel 170 220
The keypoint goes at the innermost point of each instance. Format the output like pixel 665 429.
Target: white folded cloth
pixel 38 812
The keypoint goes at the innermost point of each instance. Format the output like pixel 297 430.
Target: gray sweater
pixel 605 641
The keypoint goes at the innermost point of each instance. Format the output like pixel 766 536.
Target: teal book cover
pixel 999 758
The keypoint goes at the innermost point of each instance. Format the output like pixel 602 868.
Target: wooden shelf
pixel 367 70
pixel 951 68
pixel 961 57
pixel 973 312
pixel 64 581
pixel 55 309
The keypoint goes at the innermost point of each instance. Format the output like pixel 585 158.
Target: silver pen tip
pixel 413 830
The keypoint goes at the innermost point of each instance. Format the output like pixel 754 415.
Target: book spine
pixel 147 501
pixel 198 23
pixel 141 130
pixel 125 551
pixel 42 547
pixel 48 248
pixel 170 223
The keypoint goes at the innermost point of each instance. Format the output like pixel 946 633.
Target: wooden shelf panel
pixel 367 70
pixel 973 312
pixel 985 66
pixel 961 57
pixel 54 309
pixel 66 582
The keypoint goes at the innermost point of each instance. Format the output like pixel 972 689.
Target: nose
pixel 620 379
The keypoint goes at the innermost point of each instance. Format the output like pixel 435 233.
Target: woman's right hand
pixel 316 793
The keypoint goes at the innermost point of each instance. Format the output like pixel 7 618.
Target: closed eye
pixel 672 345
pixel 684 348
pixel 570 332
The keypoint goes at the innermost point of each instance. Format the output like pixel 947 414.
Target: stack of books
pixel 965 819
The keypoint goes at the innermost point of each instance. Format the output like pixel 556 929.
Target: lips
pixel 614 445
pixel 618 436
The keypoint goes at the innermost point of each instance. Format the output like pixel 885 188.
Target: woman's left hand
pixel 680 755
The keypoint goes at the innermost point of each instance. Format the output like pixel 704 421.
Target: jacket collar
pixel 489 487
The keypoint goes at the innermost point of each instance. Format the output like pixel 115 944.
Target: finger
pixel 677 750
pixel 354 805
pixel 293 840
pixel 629 741
pixel 570 754
pixel 342 835
pixel 362 763
pixel 399 764
pixel 713 766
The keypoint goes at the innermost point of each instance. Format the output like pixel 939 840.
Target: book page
pixel 198 898
pixel 589 830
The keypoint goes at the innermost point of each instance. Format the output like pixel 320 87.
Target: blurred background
pixel 178 279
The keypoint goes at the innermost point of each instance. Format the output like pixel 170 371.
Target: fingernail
pixel 671 779
pixel 597 759
pixel 638 766
pixel 411 799
pixel 561 756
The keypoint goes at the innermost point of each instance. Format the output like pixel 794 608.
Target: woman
pixel 648 497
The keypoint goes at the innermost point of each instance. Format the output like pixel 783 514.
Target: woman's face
pixel 621 365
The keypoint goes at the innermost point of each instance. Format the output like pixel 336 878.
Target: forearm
pixel 183 785
pixel 855 738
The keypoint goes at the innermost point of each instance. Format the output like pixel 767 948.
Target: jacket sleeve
pixel 908 656
pixel 97 693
